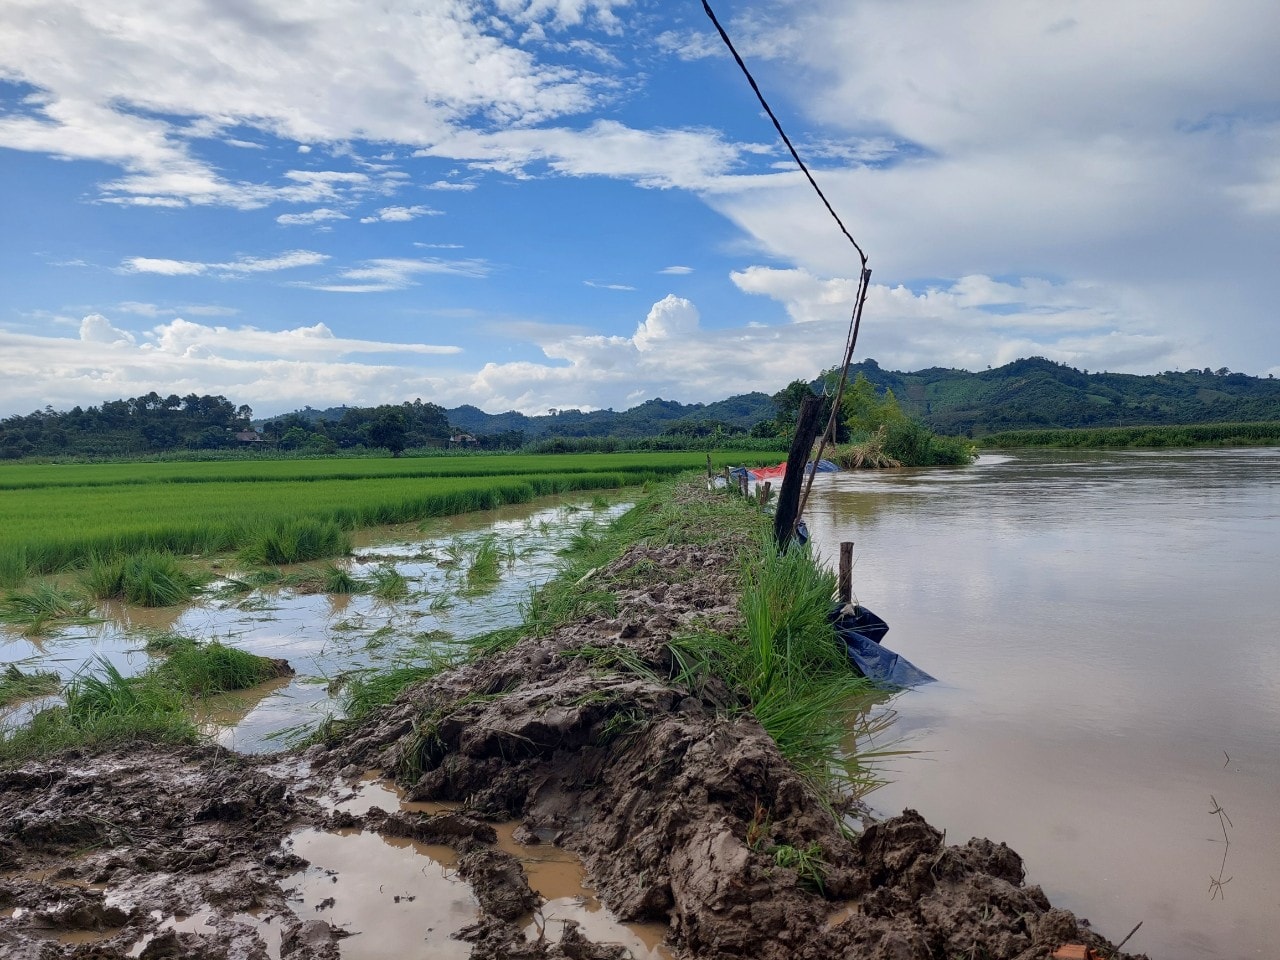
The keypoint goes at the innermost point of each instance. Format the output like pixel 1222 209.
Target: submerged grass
pixel 203 669
pixel 45 607
pixel 16 686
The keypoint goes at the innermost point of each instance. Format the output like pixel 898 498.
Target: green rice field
pixel 54 517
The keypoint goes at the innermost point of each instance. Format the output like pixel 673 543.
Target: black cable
pixel 782 133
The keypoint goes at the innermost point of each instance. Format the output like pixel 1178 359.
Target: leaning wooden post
pixel 846 572
pixel 784 520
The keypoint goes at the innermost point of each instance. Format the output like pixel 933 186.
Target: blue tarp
pixel 861 631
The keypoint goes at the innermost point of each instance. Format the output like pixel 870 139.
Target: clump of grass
pixel 149 579
pixel 365 692
pixel 790 666
pixel 13 565
pixel 599 502
pixel 388 583
pixel 205 669
pixel 296 541
pixel 806 861
pixel 485 568
pixel 253 580
pixel 870 454
pixel 16 685
pixel 330 578
pixel 102 708
pixel 45 606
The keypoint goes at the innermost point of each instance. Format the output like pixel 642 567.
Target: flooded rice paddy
pixel 1103 628
pixel 327 638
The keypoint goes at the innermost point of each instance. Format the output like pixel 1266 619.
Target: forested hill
pixel 651 418
pixel 1026 394
pixel 1036 392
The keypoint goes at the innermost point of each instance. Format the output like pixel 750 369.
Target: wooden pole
pixel 784 521
pixel 743 484
pixel 710 473
pixel 766 491
pixel 846 572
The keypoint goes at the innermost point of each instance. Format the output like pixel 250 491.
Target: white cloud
pixel 95 328
pixel 450 185
pixel 243 265
pixel 318 215
pixel 676 270
pixel 400 214
pixel 652 158
pixel 976 321
pixel 607 286
pixel 423 69
pixel 396 273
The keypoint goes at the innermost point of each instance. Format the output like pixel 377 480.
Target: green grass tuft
pixel 205 669
pixel 296 541
pixel 148 579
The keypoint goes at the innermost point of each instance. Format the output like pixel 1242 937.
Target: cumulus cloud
pixel 286 73
pixel 318 215
pixel 400 214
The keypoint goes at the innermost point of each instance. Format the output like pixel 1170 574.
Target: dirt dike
pixel 676 810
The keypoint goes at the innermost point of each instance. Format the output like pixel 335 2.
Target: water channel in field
pixel 327 638
pixel 1104 630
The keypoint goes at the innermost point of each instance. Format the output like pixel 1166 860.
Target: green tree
pixel 389 431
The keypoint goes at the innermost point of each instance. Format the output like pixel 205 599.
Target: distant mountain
pixel 649 419
pixel 1036 392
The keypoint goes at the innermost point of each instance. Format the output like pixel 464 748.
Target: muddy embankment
pixel 677 806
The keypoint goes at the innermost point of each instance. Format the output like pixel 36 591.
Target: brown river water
pixel 1104 632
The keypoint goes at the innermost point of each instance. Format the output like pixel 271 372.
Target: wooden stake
pixel 784 521
pixel 846 572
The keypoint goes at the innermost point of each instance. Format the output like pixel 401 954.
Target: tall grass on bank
pixel 147 579
pixel 786 664
pixel 789 666
pixel 295 541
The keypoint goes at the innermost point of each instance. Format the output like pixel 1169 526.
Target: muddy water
pixel 338 860
pixel 1103 627
pixel 326 638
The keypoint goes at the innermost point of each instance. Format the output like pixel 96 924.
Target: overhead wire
pixel 864 273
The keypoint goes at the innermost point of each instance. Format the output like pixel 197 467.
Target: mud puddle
pixel 555 874
pixel 328 638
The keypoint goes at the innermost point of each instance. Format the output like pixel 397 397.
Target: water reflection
pixel 1102 628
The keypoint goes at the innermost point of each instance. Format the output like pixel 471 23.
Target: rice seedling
pixel 146 579
pixel 388 583
pixel 367 691
pixel 205 669
pixel 599 502
pixel 485 569
pixel 45 607
pixel 13 564
pixel 297 540
pixel 806 861
pixel 329 578
pixel 16 685
pixel 167 642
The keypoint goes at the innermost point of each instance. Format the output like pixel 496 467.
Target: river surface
pixel 1104 631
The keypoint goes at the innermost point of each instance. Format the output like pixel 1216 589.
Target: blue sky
pixel 526 204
